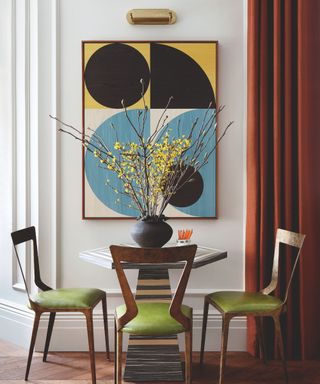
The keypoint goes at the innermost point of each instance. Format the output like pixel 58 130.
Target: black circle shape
pixel 190 192
pixel 174 73
pixel 114 72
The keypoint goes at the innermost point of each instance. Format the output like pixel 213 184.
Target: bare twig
pixel 149 184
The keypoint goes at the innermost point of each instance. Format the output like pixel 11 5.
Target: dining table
pixel 153 358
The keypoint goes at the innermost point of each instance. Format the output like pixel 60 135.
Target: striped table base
pixel 156 358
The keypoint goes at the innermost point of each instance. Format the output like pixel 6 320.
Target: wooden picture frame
pixel 111 71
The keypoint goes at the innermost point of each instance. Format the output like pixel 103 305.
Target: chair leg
pixel 32 342
pixel 224 342
pixel 89 319
pixel 188 356
pixel 262 348
pixel 204 329
pixel 119 358
pixel 105 324
pixel 280 344
pixel 49 333
pixel 115 351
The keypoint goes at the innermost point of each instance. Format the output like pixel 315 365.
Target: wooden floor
pixel 73 368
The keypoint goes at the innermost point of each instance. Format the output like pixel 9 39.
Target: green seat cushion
pixel 153 319
pixel 235 301
pixel 69 298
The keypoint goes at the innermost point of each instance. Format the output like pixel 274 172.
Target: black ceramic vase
pixel 151 234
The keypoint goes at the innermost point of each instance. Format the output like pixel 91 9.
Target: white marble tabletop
pixel 102 257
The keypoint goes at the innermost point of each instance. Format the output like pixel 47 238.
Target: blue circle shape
pixel 97 176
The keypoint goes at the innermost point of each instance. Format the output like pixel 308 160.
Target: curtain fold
pixel 283 161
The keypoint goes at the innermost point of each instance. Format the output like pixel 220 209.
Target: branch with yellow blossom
pixel 153 169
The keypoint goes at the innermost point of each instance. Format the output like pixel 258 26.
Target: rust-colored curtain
pixel 283 160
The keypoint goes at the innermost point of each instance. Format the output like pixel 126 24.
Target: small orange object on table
pixel 184 236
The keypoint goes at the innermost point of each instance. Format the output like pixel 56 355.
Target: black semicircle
pixel 191 190
pixel 174 73
pixel 113 73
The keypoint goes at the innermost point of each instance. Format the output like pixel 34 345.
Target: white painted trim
pixel 19 286
pixel 21 133
pixel 34 124
pixel 26 115
pixel 70 333
pixel 28 170
pixel 16 308
pixel 25 173
pixel 48 148
pixel 189 292
pixel 55 158
pixel 14 134
pixel 15 323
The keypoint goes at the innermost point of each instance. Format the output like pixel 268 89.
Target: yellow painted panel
pixel 88 50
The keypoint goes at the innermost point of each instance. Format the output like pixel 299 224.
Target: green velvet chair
pixel 59 300
pixel 257 304
pixel 153 318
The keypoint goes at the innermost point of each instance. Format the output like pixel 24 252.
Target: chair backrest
pixel 22 236
pixel 289 238
pixel 122 254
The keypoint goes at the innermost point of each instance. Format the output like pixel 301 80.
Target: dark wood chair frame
pixel 122 254
pixel 29 234
pixel 286 237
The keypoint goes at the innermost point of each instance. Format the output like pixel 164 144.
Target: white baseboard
pixel 15 323
pixel 70 334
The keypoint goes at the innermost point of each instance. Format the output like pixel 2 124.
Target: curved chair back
pixel 289 238
pixel 121 254
pixel 22 236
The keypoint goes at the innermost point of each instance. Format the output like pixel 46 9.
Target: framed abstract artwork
pixel 185 71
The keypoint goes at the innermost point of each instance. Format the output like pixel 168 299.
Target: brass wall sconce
pixel 151 16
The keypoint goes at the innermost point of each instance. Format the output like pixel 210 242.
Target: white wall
pixel 60 171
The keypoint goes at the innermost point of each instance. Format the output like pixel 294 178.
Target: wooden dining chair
pixel 258 304
pixel 59 300
pixel 153 318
